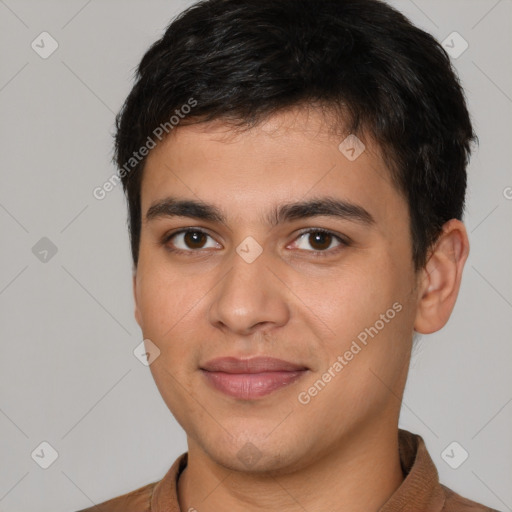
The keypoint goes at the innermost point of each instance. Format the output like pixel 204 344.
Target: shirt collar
pixel 420 490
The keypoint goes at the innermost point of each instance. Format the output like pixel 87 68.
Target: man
pixel 295 173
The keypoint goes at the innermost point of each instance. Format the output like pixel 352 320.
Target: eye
pixel 189 240
pixel 320 240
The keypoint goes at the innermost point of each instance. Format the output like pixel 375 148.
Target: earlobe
pixel 440 282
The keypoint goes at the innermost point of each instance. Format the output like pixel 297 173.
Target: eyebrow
pixel 323 206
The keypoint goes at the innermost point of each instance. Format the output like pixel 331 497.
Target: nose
pixel 249 298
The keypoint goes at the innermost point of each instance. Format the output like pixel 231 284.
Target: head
pixel 316 153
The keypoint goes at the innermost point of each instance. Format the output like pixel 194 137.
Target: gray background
pixel 68 375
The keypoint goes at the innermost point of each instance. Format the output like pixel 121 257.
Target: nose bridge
pixel 249 295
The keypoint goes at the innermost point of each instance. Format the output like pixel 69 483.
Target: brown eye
pixel 194 239
pixel 318 241
pixel 190 240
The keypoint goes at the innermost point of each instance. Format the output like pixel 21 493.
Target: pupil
pixel 321 239
pixel 194 239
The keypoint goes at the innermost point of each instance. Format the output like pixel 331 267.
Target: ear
pixel 441 277
pixel 137 310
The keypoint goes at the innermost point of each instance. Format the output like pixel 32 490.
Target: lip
pixel 252 378
pixel 258 364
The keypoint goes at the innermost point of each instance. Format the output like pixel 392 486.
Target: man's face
pixel 261 284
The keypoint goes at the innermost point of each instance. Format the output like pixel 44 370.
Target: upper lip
pixel 257 364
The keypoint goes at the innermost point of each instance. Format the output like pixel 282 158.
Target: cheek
pixel 351 299
pixel 162 299
pixel 367 310
pixel 172 309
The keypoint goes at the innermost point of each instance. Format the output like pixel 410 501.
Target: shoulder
pixel 456 503
pixel 138 500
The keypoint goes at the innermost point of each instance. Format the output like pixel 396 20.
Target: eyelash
pixel 344 242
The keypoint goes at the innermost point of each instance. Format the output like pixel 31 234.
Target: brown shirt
pixel 419 492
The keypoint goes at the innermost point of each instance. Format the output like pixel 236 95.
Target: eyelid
pixel 343 242
pixel 168 236
pixel 341 238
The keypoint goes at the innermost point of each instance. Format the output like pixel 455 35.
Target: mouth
pixel 253 378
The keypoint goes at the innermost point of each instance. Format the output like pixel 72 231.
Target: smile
pixel 249 379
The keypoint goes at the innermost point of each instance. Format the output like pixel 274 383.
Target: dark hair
pixel 244 60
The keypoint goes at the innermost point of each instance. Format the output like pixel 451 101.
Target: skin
pixel 340 450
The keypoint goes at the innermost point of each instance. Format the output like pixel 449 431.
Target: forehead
pixel 290 156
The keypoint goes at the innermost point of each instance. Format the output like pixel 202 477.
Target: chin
pixel 258 453
pixel 250 459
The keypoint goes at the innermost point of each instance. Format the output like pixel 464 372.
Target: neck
pixel 360 474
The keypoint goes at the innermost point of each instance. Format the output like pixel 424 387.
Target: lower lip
pixel 248 386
